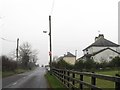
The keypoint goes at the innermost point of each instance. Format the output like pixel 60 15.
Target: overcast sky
pixel 75 23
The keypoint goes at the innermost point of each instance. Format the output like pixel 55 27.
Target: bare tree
pixel 27 55
pixel 34 57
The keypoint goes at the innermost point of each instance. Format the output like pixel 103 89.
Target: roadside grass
pixel 17 71
pixel 0 73
pixel 7 73
pixel 53 82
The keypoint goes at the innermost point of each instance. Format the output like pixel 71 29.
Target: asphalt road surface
pixel 33 79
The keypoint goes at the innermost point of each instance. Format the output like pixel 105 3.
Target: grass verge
pixel 17 71
pixel 53 82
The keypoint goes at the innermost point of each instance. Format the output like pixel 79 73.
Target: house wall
pixel 70 60
pixel 88 51
pixel 105 55
pixel 96 49
pixel 118 49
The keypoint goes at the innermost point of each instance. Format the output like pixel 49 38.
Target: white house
pixel 69 58
pixel 101 49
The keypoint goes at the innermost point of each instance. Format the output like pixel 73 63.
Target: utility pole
pixel 17 48
pixel 76 54
pixel 119 22
pixel 50 53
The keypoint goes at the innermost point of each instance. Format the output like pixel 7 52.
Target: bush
pixel 8 64
pixel 79 65
pixel 115 62
pixel 61 64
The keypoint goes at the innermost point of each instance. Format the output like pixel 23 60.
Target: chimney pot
pixel 100 36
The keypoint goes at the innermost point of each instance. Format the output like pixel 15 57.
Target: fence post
pixel 93 81
pixel 58 73
pixel 81 85
pixel 64 76
pixel 61 75
pixel 68 74
pixel 73 82
pixel 117 84
pixel 53 71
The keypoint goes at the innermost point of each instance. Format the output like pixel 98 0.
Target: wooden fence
pixel 75 80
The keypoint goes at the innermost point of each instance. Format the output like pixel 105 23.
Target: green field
pixel 100 82
pixel 104 83
pixel 112 73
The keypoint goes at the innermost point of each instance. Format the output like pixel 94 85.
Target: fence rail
pixel 74 79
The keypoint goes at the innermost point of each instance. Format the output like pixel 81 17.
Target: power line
pixel 52 7
pixel 7 39
pixel 1 17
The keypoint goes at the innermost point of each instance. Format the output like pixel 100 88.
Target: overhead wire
pixel 1 17
pixel 52 7
pixel 7 39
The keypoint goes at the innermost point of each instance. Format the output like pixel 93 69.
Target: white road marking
pixel 14 83
pixel 30 75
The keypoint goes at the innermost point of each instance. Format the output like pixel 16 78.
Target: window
pixel 110 57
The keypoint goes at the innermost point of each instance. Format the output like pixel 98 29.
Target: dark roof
pixel 102 42
pixel 86 55
pixel 69 55
pixel 60 58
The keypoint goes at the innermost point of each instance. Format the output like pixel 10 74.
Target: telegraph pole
pixel 118 26
pixel 17 48
pixel 50 53
pixel 75 55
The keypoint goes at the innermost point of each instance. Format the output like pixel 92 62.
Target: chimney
pixel 100 36
pixel 67 53
pixel 96 38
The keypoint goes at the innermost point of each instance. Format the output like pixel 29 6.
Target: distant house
pixel 101 49
pixel 69 58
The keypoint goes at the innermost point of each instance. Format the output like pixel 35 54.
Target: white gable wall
pixel 94 49
pixel 70 60
pixel 88 51
pixel 105 55
pixel 118 49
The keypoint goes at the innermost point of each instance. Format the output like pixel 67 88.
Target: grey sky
pixel 75 23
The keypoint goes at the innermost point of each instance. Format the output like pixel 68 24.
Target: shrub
pixel 8 64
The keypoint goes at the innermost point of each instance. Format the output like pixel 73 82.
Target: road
pixel 33 79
